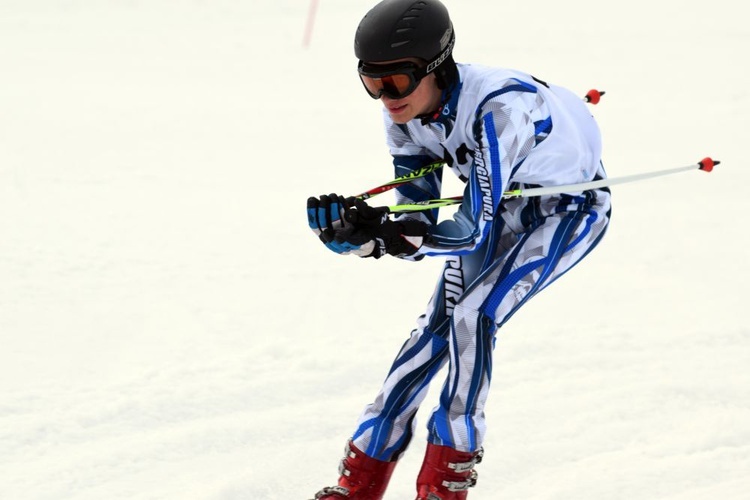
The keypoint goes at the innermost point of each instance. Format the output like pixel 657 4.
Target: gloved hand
pixel 325 215
pixel 374 234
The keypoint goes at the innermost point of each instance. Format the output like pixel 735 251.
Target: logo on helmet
pixel 446 38
pixel 442 57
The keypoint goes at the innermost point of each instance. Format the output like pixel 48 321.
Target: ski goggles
pixel 395 81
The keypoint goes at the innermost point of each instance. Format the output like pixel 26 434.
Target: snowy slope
pixel 170 329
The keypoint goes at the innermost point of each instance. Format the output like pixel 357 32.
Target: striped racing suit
pixel 497 129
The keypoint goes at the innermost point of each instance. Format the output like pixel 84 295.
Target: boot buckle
pixel 470 482
pixel 466 466
pixel 340 490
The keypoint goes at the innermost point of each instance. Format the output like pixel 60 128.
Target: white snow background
pixel 171 329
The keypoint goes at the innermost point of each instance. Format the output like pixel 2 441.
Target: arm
pixel 422 189
pixel 504 132
pixel 408 157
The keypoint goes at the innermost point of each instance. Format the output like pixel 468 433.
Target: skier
pixel 496 129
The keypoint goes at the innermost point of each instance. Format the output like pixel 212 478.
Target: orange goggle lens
pixel 395 82
pixel 394 86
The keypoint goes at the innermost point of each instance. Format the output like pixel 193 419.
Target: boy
pixel 496 129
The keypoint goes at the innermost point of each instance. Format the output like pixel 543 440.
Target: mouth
pixel 396 109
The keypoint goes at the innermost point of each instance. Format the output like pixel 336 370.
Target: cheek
pixel 427 83
pixel 424 94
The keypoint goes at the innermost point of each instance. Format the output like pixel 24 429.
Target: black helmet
pixel 397 29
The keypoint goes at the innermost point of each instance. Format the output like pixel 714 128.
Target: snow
pixel 170 328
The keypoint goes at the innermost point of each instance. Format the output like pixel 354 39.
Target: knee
pixel 467 315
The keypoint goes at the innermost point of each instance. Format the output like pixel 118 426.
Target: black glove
pixel 325 215
pixel 375 234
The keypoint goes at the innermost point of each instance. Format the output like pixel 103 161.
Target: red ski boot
pixel 446 473
pixel 362 477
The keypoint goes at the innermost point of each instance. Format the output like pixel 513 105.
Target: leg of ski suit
pixel 535 242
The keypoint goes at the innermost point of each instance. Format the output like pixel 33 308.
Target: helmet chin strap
pixel 445 96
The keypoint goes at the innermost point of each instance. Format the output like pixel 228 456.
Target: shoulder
pixel 480 84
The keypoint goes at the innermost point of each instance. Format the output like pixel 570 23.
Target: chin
pixel 401 118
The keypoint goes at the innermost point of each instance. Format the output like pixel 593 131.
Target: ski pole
pixel 400 181
pixel 418 206
pixel 707 164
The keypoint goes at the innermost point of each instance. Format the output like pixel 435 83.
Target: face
pixel 424 99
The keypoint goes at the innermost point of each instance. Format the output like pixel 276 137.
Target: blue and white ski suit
pixel 498 129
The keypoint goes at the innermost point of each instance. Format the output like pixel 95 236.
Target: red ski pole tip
pixel 707 164
pixel 593 96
